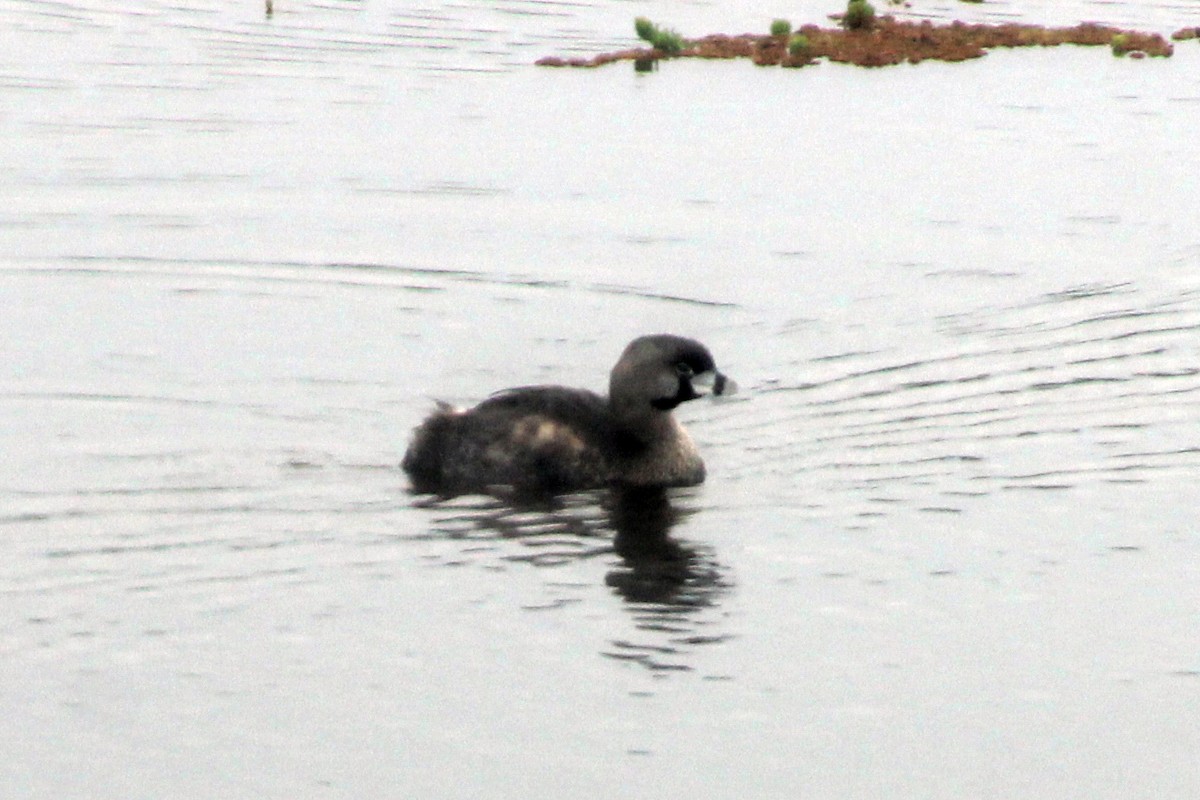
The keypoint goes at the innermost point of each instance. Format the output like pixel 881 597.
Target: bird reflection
pixel 656 567
pixel 670 587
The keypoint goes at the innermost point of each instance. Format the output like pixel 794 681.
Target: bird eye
pixel 683 369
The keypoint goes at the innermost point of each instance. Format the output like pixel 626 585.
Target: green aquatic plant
pixel 859 15
pixel 1120 44
pixel 664 39
pixel 798 46
pixel 668 41
pixel 781 28
pixel 645 28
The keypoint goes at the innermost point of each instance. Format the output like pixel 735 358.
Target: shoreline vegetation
pixel 876 41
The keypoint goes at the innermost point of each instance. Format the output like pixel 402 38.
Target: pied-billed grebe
pixel 552 438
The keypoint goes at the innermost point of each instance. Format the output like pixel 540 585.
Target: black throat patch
pixel 682 394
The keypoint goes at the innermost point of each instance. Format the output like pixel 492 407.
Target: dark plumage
pixel 553 438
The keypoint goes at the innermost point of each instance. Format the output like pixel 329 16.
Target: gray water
pixel 948 547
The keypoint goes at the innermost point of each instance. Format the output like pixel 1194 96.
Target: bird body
pixel 554 438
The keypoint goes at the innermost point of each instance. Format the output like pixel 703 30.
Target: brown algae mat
pixel 888 41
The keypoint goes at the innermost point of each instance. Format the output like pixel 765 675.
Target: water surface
pixel 948 546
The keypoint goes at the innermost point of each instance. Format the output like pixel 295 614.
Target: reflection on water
pixel 671 588
pixel 666 583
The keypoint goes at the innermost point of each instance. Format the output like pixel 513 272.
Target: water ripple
pixel 1083 378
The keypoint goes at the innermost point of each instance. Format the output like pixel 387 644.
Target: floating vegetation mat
pixel 886 41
